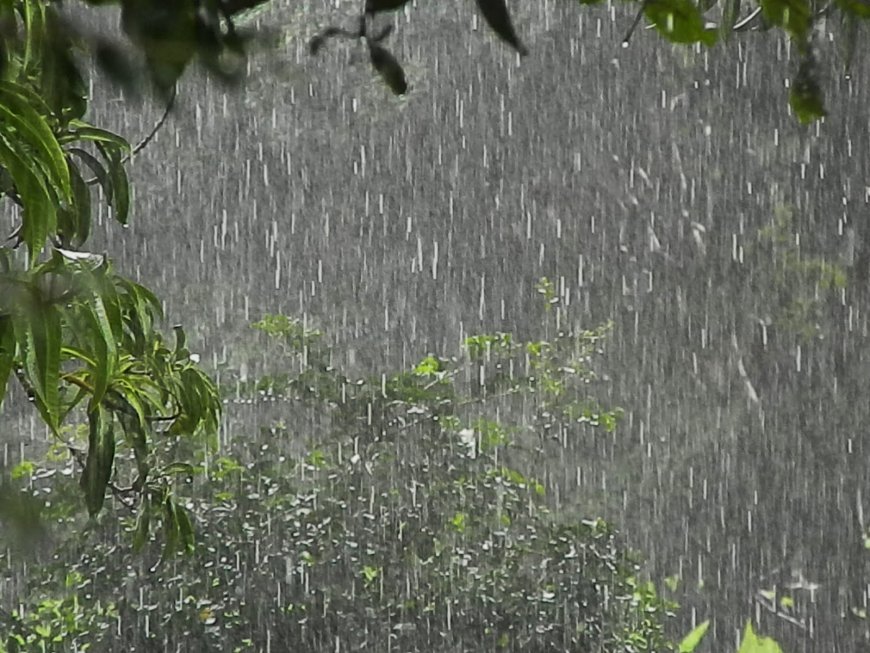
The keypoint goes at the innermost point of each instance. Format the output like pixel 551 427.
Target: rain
pixel 664 189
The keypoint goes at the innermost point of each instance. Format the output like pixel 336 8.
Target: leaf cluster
pixel 81 340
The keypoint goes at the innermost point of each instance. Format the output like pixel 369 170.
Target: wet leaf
pixel 101 457
pixel 377 6
pixel 74 223
pixel 691 641
pixel 143 525
pixel 752 643
pixel 497 16
pixel 389 68
pixel 806 97
pixel 859 8
pixel 42 337
pixel 794 16
pixel 39 217
pixel 7 352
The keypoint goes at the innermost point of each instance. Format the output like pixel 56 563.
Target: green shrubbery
pixel 406 516
pixel 398 512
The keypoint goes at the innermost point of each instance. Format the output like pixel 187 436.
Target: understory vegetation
pixel 398 512
pixel 393 512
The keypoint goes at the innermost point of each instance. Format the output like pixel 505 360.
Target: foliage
pixel 81 339
pixel 682 22
pixel 403 515
pixel 801 281
pixel 58 622
pixel 750 643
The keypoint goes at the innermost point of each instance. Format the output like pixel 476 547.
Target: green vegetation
pixel 405 513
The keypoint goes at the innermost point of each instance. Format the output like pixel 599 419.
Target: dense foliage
pixel 80 338
pixel 394 511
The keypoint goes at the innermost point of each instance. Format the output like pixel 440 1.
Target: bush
pixel 397 513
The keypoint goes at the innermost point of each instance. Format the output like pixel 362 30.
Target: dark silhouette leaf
pixel 115 63
pixel 383 34
pixel 74 222
pixel 386 64
pixel 378 6
pixel 7 352
pixel 496 14
pixel 806 97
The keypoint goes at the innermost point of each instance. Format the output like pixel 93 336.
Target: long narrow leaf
pixel 120 184
pixel 34 24
pixel 78 224
pixel 101 456
pixel 97 168
pixel 17 112
pixel 185 529
pixel 143 525
pixel 497 16
pixel 42 359
pixel 7 352
pixel 81 131
pixel 105 348
pixel 40 217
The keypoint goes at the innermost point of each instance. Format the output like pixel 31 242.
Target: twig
pixel 771 607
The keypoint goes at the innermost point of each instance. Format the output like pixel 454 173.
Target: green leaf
pixel 7 352
pixel 40 217
pixel 185 529
pixel 794 16
pixel 178 468
pixel 180 342
pixel 859 8
pixel 178 528
pixel 82 131
pixel 74 223
pixel 19 116
pixel 105 348
pixel 752 643
pixel 42 360
pixel 34 21
pixel 680 21
pixel 120 183
pixel 429 366
pixel 170 529
pixel 143 524
pixel 693 639
pixel 101 457
pixel 806 98
pixel 96 167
